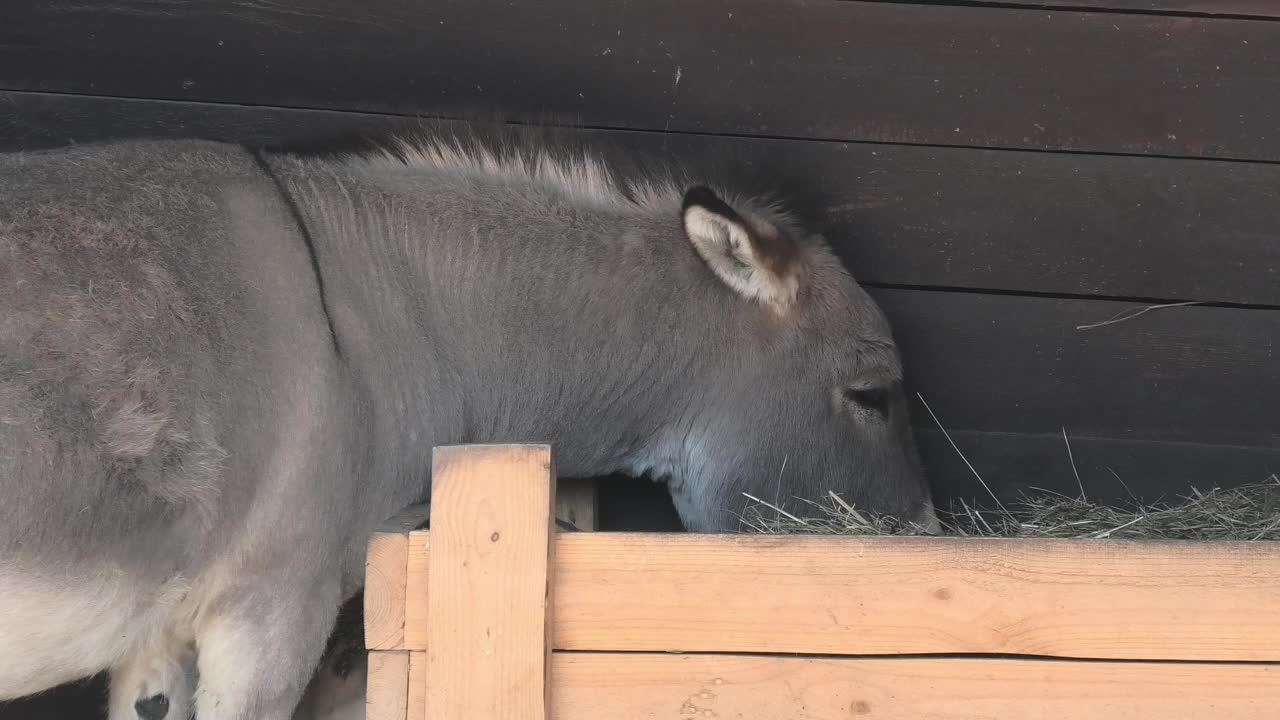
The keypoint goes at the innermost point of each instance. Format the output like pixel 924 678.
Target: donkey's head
pixel 801 393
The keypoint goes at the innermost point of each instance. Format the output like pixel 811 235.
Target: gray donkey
pixel 220 368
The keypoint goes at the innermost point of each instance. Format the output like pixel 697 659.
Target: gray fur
pixel 198 430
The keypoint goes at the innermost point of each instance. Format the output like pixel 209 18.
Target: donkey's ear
pixel 756 260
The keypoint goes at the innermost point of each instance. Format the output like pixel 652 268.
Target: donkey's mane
pixel 557 162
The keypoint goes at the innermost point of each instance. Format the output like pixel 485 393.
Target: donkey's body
pixel 219 370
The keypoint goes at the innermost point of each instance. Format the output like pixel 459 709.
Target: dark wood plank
pixel 32 121
pixel 1230 8
pixel 1051 223
pixel 1018 364
pixel 1112 471
pixel 899 215
pixel 904 73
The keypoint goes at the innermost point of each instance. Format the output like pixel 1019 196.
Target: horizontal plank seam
pixel 655 131
pixel 1068 6
pixel 1004 292
pixel 994 657
pixel 927 425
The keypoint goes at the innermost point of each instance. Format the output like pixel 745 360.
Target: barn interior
pixel 1068 209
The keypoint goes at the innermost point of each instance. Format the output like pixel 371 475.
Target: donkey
pixel 220 367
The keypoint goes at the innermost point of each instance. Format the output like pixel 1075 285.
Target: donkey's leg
pixel 257 653
pixel 155 683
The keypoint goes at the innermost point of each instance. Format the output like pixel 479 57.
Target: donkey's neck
pixel 487 311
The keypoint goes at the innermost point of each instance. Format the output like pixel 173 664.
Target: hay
pixel 1249 512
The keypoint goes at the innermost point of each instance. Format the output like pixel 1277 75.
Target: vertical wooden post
pixel 488 641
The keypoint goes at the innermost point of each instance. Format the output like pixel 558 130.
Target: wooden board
pixel 1138 227
pixel 576 503
pixel 418 683
pixel 836 70
pixel 34 120
pixel 1112 471
pixel 821 595
pixel 387 686
pixel 387 584
pixel 643 686
pixel 1019 364
pixel 384 575
pixel 1231 8
pixel 490 582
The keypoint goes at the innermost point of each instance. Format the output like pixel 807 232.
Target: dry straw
pixel 1249 512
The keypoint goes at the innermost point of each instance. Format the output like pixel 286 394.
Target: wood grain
pixel 384 578
pixel 576 503
pixel 831 70
pixel 699 687
pixel 746 593
pixel 1233 8
pixel 387 584
pixel 1111 470
pixel 418 682
pixel 388 686
pixel 487 632
pixel 1122 226
pixel 415 613
pixel 1020 364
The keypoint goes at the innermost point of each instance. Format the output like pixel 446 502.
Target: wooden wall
pixel 1001 174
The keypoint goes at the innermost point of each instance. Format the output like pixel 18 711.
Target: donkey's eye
pixel 873 399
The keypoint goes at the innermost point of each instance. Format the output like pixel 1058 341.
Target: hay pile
pixel 1249 512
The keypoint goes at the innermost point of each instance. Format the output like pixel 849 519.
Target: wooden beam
pixel 1121 226
pixel 385 577
pixel 698 687
pixel 868 71
pixel 576 503
pixel 489 582
pixel 387 686
pixel 847 595
pixel 385 621
pixel 415 612
pixel 1233 8
pixel 417 703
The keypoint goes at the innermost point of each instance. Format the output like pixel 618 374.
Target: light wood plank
pixel 384 578
pixel 417 705
pixel 415 612
pixel 388 686
pixel 697 687
pixel 1068 598
pixel 576 503
pixel 492 513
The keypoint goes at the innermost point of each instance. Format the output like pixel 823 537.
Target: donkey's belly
pixel 54 631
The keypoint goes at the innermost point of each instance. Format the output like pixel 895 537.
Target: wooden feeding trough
pixel 493 614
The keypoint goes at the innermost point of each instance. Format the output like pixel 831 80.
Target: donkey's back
pixel 150 294
pixel 195 439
